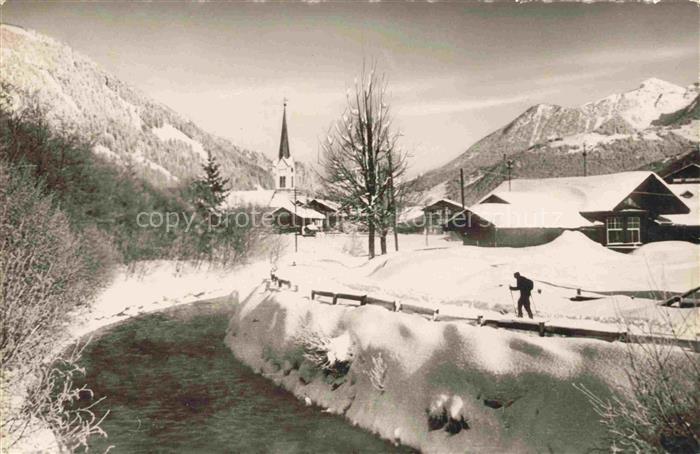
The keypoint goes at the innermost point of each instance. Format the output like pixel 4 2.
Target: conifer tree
pixel 211 191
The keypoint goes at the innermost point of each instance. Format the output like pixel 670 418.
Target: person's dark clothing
pixel 524 285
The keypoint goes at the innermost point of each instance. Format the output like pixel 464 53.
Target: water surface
pixel 172 386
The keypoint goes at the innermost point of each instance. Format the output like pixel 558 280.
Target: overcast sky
pixel 456 71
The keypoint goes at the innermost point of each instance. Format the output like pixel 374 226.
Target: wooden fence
pixel 542 328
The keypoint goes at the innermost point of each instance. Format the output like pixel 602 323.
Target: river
pixel 172 386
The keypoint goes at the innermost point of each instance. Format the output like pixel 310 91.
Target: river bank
pixel 436 386
pixel 142 289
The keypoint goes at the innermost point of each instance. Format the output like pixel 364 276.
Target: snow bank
pixel 469 281
pixel 501 391
pixel 157 285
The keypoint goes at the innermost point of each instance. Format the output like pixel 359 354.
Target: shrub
pixel 658 409
pixel 333 356
pixel 46 271
pixel 377 372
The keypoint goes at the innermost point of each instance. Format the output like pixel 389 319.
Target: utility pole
pixel 296 232
pixel 585 153
pixel 509 166
pixel 392 200
pixel 461 185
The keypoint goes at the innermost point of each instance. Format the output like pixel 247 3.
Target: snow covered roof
pixel 451 203
pixel 690 194
pixel 274 199
pixel 302 212
pixel 504 215
pixel 410 213
pixel 328 203
pixel 596 193
pixel 259 197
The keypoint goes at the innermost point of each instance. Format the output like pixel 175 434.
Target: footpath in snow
pixel 470 281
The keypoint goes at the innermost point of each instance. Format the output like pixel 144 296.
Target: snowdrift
pixel 471 281
pixel 437 386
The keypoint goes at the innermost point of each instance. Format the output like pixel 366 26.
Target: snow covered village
pixel 349 227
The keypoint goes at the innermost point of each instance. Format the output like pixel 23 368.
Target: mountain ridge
pixel 124 125
pixel 547 139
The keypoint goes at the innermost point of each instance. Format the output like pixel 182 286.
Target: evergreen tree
pixel 210 191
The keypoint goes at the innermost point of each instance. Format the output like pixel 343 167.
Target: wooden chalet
pixel 683 177
pixel 438 213
pixel 621 211
pixel 290 219
pixel 688 174
pixel 331 210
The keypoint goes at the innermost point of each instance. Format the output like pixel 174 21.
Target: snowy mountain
pixel 643 105
pixel 125 126
pixel 681 117
pixel 547 140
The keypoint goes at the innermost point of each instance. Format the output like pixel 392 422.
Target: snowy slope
pixel 643 105
pixel 75 94
pixel 546 140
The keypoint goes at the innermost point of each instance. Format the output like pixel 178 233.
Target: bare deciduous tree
pixel 361 164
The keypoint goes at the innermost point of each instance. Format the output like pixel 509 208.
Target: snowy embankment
pixel 437 386
pixel 470 281
pixel 453 386
pixel 153 286
pixel 148 287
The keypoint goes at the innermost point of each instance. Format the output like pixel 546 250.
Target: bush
pixel 46 272
pixel 658 409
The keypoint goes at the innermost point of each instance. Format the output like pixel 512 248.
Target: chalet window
pixel 633 229
pixel 615 230
pixel 282 181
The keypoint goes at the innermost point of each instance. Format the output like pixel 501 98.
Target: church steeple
pixel 284 169
pixel 284 140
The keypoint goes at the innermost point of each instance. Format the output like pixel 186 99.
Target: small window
pixel 615 230
pixel 283 182
pixel 633 229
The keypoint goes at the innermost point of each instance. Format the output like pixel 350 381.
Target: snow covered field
pixel 469 280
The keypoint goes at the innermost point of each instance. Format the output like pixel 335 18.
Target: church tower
pixel 284 169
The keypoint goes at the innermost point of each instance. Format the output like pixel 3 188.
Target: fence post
pixel 436 312
pixel 480 320
pixel 541 328
pixel 363 300
pixel 335 299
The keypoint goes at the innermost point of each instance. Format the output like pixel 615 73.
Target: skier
pixel 525 286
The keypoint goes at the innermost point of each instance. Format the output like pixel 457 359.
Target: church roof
pixel 284 139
